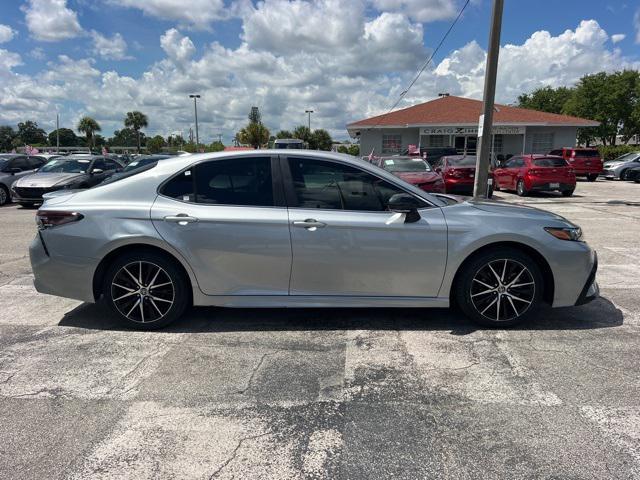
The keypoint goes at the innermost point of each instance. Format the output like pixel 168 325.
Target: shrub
pixel 609 152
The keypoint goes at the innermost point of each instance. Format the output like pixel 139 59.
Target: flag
pixel 104 151
pixel 413 149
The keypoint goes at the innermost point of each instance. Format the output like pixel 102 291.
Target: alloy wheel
pixel 142 291
pixel 502 290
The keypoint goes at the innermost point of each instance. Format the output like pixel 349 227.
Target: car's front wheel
pixel 499 288
pixel 4 195
pixel 146 290
pixel 521 190
pixel 592 177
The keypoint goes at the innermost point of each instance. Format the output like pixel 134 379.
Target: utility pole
pixel 195 109
pixel 57 132
pixel 309 112
pixel 485 124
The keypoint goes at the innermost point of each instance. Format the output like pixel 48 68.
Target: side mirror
pixel 96 171
pixel 407 204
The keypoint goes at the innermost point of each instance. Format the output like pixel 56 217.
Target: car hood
pixel 510 210
pixel 47 179
pixel 418 177
pixel 612 164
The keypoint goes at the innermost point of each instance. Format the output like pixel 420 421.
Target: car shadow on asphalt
pixel 600 313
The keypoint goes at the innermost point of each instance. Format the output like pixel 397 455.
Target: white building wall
pixel 372 139
pixel 562 137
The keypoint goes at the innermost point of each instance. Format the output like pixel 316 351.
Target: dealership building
pixel 453 122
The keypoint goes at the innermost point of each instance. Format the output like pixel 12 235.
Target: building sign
pixel 497 130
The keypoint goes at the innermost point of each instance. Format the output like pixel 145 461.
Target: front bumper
pixel 30 194
pixel 590 291
pixel 69 277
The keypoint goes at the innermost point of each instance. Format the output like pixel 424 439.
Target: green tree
pixel 68 138
pixel 216 147
pixel 546 99
pixel 320 140
pixel 254 134
pixel 175 140
pixel 136 120
pixel 303 133
pixel 155 144
pixel 7 134
pixel 611 99
pixel 126 137
pixel 284 134
pixel 88 126
pixel 30 134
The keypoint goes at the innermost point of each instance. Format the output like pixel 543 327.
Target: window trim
pixel 276 183
pixel 292 199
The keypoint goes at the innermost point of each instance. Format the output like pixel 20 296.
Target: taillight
pixel 533 171
pixel 48 218
pixel 454 173
pixel 573 153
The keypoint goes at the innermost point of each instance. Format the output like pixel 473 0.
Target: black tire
pixel 4 195
pixel 154 313
pixel 490 191
pixel 27 205
pixel 567 193
pixel 592 177
pixel 467 284
pixel 623 174
pixel 521 189
pixel 637 179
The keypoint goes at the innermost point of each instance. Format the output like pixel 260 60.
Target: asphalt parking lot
pixel 354 394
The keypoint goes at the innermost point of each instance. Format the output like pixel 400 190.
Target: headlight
pixel 566 233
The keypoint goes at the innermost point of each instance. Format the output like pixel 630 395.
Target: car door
pixel 510 172
pixel 344 241
pixel 229 221
pixel 99 171
pixel 21 163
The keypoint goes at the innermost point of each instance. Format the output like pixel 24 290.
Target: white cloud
pixel 6 33
pixel 51 20
pixel 197 13
pixel 420 10
pixel 177 47
pixel 618 37
pixel 37 53
pixel 114 48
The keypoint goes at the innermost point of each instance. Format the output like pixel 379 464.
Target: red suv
pixel 528 173
pixel 584 161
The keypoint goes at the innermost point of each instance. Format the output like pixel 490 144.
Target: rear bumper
pixel 594 170
pixel 549 186
pixel 590 291
pixel 69 277
pixel 463 186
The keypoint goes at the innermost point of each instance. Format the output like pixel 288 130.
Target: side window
pixel 237 181
pixel 99 164
pixel 512 162
pixel 111 165
pixel 332 186
pixel 180 187
pixel 36 162
pixel 556 153
pixel 21 162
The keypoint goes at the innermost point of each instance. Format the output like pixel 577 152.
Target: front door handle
pixel 180 219
pixel 310 224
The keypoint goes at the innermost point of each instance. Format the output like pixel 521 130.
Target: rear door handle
pixel 180 219
pixel 310 224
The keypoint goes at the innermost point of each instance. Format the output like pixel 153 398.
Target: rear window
pixel 462 161
pixel 549 162
pixel 587 153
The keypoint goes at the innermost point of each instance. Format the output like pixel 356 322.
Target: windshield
pixel 550 162
pixel 462 161
pixel 406 165
pixel 3 163
pixel 66 166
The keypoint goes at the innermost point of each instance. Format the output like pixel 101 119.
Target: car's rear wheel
pixel 27 205
pixel 567 193
pixel 4 195
pixel 592 177
pixel 623 174
pixel 521 189
pixel 499 288
pixel 146 290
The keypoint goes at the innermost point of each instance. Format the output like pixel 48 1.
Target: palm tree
pixel 254 134
pixel 88 126
pixel 136 120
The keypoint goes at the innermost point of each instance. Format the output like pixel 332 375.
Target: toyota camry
pixel 285 228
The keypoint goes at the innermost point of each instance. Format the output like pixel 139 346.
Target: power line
pixel 424 66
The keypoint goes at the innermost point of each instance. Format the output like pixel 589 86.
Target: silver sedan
pixel 283 228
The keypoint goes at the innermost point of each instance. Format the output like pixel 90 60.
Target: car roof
pixel 12 155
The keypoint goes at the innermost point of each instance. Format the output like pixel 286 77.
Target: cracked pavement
pixel 336 393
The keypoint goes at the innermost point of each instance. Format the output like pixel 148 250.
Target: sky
pixel 344 59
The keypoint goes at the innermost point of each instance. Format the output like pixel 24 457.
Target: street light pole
pixel 195 109
pixel 309 112
pixel 485 123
